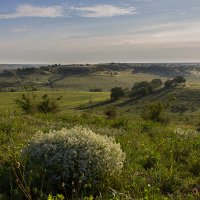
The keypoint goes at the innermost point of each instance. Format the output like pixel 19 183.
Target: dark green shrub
pixel 47 105
pixel 168 83
pixel 179 79
pixel 156 83
pixel 116 93
pixel 141 89
pixel 154 112
pixel 29 105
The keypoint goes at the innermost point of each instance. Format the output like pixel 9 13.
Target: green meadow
pixel 69 100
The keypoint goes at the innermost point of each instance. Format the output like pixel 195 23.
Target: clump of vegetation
pixel 111 112
pixel 156 83
pixel 29 105
pixel 75 157
pixel 144 88
pixel 154 112
pixel 175 81
pixel 116 93
pixel 47 105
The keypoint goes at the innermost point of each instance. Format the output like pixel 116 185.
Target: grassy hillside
pixel 86 77
pixel 185 106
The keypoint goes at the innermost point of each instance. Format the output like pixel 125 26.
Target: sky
pixel 99 31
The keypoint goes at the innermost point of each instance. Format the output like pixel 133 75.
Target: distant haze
pixel 99 31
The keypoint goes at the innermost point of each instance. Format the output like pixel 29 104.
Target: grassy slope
pixel 186 98
pixel 185 109
pixel 101 80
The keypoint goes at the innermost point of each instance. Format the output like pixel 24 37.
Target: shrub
pixel 168 83
pixel 116 93
pixel 154 112
pixel 47 105
pixel 27 102
pixel 179 79
pixel 156 83
pixel 29 105
pixel 73 156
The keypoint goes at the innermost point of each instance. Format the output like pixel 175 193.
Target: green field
pixel 69 99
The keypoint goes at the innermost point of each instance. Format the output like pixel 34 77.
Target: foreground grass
pixel 161 163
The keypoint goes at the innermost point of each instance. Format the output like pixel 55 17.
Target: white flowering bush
pixel 76 154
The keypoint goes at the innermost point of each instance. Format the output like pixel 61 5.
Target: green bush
pixel 29 104
pixel 179 79
pixel 75 157
pixel 116 93
pixel 156 83
pixel 47 105
pixel 154 112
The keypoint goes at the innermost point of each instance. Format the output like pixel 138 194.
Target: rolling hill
pixel 86 77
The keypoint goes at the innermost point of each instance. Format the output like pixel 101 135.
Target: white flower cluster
pixel 75 154
pixel 186 132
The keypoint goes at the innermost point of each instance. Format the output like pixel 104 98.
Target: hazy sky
pixel 94 31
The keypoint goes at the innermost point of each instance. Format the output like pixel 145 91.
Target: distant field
pixel 69 100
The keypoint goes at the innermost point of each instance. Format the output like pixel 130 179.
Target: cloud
pixel 163 35
pixel 104 10
pixel 34 11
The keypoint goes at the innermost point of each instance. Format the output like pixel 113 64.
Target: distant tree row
pixel 144 88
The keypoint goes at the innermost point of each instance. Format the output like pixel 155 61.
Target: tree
pixel 141 89
pixel 175 81
pixel 179 79
pixel 168 83
pixel 116 93
pixel 156 83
